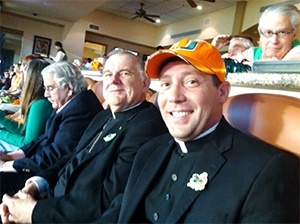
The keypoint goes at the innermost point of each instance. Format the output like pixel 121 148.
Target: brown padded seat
pixel 90 82
pixel 98 90
pixel 273 118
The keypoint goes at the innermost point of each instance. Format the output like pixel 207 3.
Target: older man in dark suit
pixel 205 171
pixel 99 169
pixel 74 109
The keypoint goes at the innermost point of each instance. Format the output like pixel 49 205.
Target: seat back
pixel 153 99
pixel 90 82
pixel 272 118
pixel 98 90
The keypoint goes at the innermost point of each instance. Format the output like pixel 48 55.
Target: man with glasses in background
pixel 277 27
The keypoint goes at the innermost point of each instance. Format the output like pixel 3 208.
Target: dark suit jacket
pixel 248 181
pixel 62 134
pixel 102 174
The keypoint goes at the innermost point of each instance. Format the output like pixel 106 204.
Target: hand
pixel 220 41
pixel 19 154
pixel 5 156
pixel 17 209
pixel 7 167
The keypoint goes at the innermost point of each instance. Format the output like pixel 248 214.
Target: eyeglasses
pixel 280 33
pixel 50 88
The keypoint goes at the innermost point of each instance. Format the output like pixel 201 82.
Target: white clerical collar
pixel 129 108
pixel 182 144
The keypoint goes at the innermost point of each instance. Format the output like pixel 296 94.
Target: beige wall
pixel 210 25
pixel 31 28
pixel 252 13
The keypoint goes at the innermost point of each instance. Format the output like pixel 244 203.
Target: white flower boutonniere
pixel 109 137
pixel 198 181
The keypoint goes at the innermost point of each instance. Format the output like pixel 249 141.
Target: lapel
pixel 210 160
pixel 112 132
pixel 94 128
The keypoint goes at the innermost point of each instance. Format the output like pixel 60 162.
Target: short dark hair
pixel 58 44
pixel 159 47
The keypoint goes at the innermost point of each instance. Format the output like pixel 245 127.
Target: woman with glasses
pixel 278 26
pixel 35 110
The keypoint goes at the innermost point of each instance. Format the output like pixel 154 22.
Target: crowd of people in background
pixel 89 64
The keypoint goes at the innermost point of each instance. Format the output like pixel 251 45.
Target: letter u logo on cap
pixel 185 44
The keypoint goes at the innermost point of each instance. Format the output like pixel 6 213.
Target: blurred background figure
pixel 237 44
pixel 77 63
pixel 61 55
pixel 87 64
pixel 159 48
pixel 35 111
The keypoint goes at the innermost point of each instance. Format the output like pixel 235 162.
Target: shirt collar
pixel 182 144
pixel 129 108
pixel 63 106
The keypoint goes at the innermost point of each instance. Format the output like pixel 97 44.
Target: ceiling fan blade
pixel 149 19
pixel 192 3
pixel 150 15
pixel 134 17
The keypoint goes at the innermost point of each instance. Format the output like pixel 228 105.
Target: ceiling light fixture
pixel 157 20
pixel 199 7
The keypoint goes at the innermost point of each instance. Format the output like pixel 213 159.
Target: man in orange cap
pixel 204 171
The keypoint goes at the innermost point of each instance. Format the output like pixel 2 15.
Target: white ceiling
pixel 170 11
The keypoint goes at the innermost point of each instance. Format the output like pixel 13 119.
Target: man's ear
pixel 224 90
pixel 71 89
pixel 147 82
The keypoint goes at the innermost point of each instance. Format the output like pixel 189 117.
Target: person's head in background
pixel 76 62
pixel 27 59
pixel 58 45
pixel 192 87
pixel 33 84
pixel 62 81
pixel 125 83
pixel 238 45
pixel 159 48
pixel 277 27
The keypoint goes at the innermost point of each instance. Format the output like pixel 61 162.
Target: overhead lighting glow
pixel 157 20
pixel 199 7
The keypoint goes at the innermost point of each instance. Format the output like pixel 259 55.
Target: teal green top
pixel 257 51
pixel 15 134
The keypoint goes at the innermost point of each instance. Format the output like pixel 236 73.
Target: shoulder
pixel 293 54
pixel 145 115
pixel 84 101
pixel 249 148
pixel 148 110
pixel 41 103
pixel 155 146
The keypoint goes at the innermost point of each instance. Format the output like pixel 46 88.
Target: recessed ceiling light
pixel 199 7
pixel 157 20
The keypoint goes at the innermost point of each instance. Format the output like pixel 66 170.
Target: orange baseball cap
pixel 200 54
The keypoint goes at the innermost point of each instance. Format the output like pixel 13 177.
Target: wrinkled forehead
pixel 276 22
pixel 119 60
pixel 236 42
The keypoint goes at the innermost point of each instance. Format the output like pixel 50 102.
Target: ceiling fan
pixel 194 5
pixel 141 13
